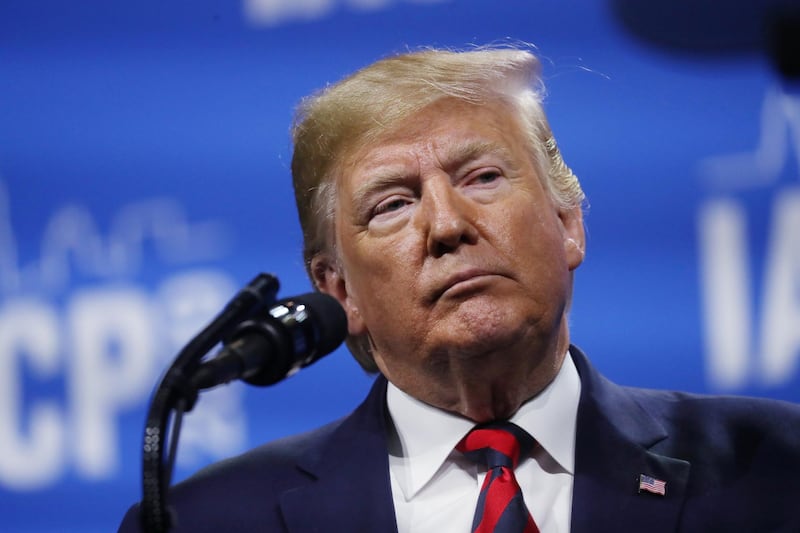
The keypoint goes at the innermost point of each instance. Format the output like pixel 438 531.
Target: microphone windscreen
pixel 329 319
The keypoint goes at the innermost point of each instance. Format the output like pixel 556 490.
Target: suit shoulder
pixel 275 456
pixel 734 422
pixel 220 496
pixel 759 410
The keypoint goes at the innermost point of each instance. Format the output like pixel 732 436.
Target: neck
pixel 489 386
pixel 499 396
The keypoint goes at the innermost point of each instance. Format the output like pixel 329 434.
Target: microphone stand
pixel 175 394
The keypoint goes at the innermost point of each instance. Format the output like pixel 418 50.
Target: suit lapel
pixel 614 446
pixel 350 489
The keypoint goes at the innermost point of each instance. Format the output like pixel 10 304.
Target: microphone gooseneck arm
pixel 175 390
pixel 263 343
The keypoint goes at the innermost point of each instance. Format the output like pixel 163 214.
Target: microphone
pixel 290 335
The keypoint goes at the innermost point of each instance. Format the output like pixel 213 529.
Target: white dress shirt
pixel 435 488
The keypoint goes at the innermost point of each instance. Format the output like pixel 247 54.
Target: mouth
pixel 463 282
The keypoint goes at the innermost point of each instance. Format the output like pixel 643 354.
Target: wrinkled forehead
pixel 449 129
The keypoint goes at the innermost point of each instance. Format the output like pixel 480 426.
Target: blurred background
pixel 144 178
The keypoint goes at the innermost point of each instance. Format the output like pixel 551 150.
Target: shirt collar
pixel 424 436
pixel 552 415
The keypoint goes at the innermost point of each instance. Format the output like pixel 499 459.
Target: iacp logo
pixel 752 321
pixel 83 338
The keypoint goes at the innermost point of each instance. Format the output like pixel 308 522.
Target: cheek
pixel 535 244
pixel 380 276
pixel 383 260
pixel 531 228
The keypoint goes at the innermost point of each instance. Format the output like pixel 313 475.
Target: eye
pixel 389 205
pixel 484 177
pixel 488 176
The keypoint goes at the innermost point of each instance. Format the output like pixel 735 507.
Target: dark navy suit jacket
pixel 729 464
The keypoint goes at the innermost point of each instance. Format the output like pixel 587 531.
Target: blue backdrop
pixel 144 156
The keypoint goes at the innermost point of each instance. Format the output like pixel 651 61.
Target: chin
pixel 477 333
pixel 481 324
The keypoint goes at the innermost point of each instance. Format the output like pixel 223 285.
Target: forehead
pixel 449 129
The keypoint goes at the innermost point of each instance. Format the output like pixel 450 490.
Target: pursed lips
pixel 461 277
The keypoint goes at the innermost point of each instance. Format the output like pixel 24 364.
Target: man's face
pixel 449 246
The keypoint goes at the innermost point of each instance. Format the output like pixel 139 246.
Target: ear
pixel 574 236
pixel 329 279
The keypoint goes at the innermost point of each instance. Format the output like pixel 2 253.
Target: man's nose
pixel 448 217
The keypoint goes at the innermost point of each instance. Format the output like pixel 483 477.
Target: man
pixel 437 209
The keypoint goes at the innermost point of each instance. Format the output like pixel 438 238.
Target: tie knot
pixel 496 444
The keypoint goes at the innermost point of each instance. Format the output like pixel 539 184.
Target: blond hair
pixel 346 116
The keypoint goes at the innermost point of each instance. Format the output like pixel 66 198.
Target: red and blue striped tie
pixel 501 509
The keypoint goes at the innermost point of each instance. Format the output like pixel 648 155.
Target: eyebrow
pixel 470 150
pixel 378 181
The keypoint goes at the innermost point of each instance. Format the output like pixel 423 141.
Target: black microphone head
pixel 328 318
pixel 276 343
pixel 294 333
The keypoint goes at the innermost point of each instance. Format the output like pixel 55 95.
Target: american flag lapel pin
pixel 652 485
